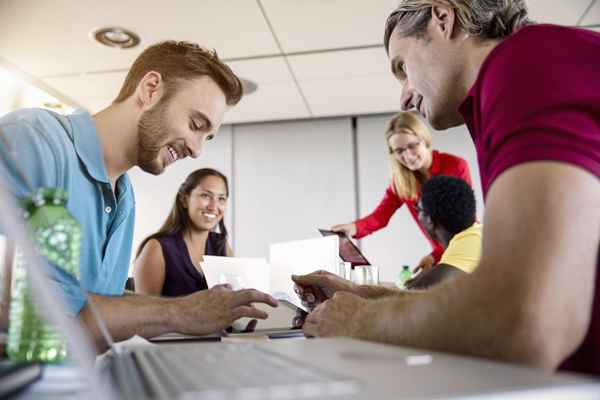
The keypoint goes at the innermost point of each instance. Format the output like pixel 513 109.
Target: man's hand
pixel 316 287
pixel 212 310
pixel 425 264
pixel 337 316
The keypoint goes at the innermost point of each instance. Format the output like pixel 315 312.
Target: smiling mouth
pixel 209 216
pixel 413 162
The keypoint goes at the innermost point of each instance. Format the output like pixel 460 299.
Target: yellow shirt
pixel 464 250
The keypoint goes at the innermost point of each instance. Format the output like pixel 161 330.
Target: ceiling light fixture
pixel 248 87
pixel 116 37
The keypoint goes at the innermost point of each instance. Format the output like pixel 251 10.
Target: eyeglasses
pixel 411 147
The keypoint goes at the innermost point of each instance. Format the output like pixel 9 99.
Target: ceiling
pixel 310 58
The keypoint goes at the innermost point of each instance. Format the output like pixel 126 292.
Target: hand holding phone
pixel 348 251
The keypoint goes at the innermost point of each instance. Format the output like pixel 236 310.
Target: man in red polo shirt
pixel 530 96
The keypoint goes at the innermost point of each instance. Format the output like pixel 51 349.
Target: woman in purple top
pixel 168 261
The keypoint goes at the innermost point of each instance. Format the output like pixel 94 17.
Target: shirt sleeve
pixel 464 251
pixel 541 102
pixel 381 216
pixel 30 159
pixel 437 251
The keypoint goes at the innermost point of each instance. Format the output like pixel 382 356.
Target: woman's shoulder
pixel 165 236
pixel 447 157
pixel 166 239
pixel 152 247
pixel 451 165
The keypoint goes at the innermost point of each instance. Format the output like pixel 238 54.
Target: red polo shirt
pixel 441 164
pixel 537 98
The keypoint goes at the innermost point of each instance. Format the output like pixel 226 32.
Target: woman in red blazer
pixel 413 162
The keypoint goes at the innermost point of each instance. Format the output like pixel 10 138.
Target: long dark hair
pixel 179 220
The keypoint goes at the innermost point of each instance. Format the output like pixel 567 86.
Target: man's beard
pixel 151 135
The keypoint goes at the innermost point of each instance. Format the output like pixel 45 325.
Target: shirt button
pixel 108 210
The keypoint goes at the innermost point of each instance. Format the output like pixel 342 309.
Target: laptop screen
pixel 348 250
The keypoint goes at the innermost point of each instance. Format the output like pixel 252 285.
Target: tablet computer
pixel 348 250
pixel 283 318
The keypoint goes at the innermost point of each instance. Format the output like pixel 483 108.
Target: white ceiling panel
pixel 277 96
pixel 593 16
pixel 271 102
pixel 336 64
pixel 262 70
pixel 324 24
pixel 353 96
pixel 557 11
pixel 347 82
pixel 91 91
pixel 52 37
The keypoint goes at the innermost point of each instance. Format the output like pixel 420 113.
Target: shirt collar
pixel 87 145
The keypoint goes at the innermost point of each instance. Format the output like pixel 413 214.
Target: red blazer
pixel 441 164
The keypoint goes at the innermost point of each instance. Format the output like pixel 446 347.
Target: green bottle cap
pixel 55 196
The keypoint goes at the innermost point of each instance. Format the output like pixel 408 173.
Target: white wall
pixel 154 195
pixel 291 178
pixel 401 242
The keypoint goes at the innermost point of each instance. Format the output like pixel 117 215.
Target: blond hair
pixel 485 19
pixel 181 61
pixel 406 184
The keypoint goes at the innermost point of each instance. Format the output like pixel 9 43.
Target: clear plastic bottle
pixel 57 237
pixel 404 276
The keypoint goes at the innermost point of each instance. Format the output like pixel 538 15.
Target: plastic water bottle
pixel 404 276
pixel 57 237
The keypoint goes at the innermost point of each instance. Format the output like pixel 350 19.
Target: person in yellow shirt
pixel 447 210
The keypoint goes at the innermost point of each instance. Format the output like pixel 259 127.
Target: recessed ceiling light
pixel 248 86
pixel 116 37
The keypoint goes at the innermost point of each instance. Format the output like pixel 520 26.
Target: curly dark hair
pixel 450 202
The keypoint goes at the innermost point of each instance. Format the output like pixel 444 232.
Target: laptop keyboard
pixel 224 371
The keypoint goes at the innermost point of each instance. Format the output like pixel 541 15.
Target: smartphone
pixel 285 317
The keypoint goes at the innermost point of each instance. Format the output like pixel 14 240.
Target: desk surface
pixel 391 372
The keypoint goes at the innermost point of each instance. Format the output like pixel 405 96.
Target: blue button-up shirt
pixel 64 151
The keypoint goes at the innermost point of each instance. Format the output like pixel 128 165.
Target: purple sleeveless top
pixel 181 277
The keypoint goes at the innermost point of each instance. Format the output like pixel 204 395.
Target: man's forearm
pixel 467 316
pixel 374 292
pixel 434 321
pixel 434 276
pixel 129 315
